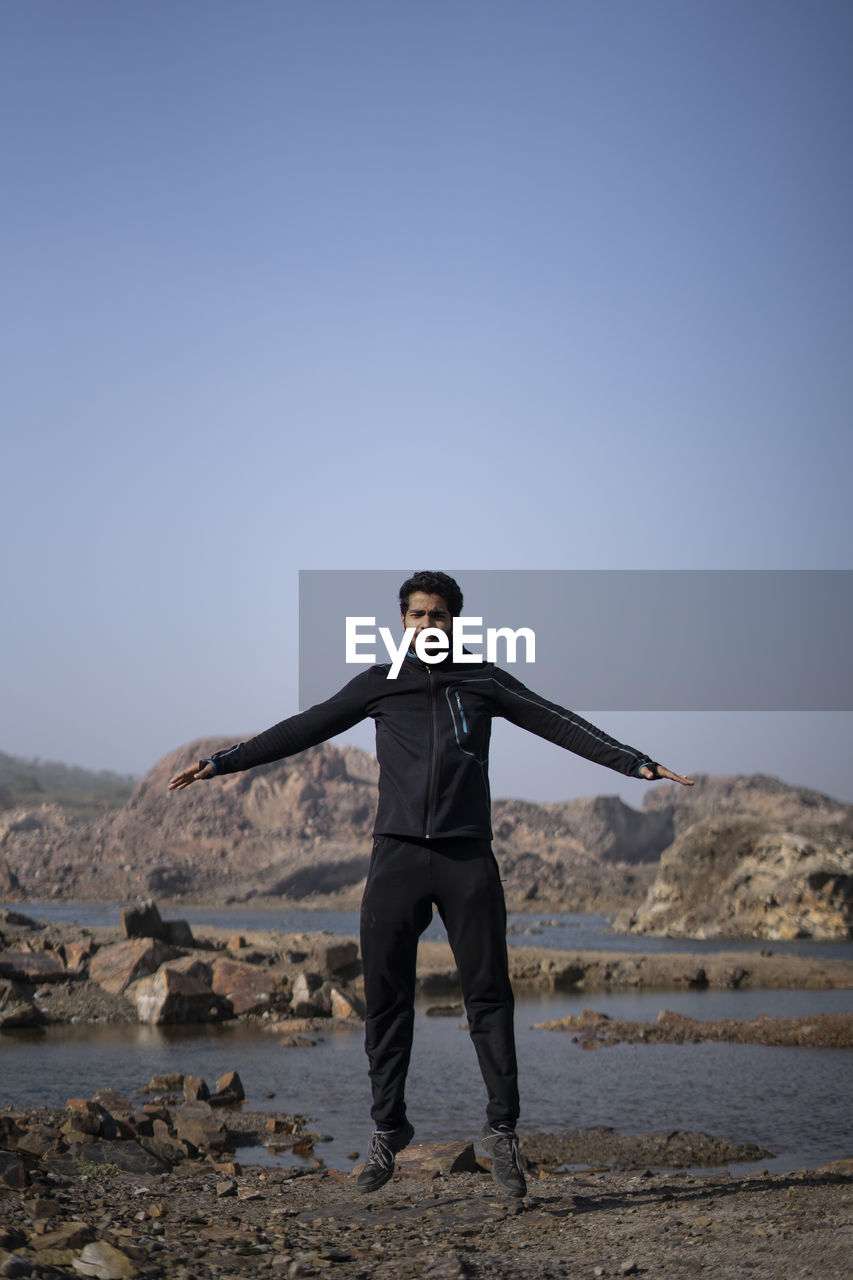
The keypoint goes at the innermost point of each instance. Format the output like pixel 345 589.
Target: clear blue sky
pixel 561 284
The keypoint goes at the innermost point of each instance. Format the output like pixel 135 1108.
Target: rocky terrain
pixel 737 876
pixel 301 830
pixel 148 1187
pixel 731 856
pixel 819 1030
pixel 156 971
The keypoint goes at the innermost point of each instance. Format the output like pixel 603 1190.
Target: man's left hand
pixel 667 774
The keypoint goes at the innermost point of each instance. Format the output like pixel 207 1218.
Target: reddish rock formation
pixel 300 829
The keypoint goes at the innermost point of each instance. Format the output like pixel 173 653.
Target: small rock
pixel 41 1209
pixel 32 966
pixel 171 1082
pixel 104 1261
pixel 196 1123
pixel 15 1265
pixel 13 1170
pixel 16 1007
pixel 345 1006
pixel 231 1085
pixel 628 1269
pixel 226 1188
pixel 178 933
pixel 70 1235
pixel 308 997
pixel 77 955
pixel 142 920
pixel 84 1116
pixel 438 1157
pixel 335 956
pixel 195 1089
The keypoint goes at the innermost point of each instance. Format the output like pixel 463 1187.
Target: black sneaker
pixel 379 1164
pixel 507 1170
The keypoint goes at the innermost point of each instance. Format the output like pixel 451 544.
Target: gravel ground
pixel 599 1204
pixel 199 1222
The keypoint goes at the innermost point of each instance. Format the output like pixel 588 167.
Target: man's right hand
pixel 189 776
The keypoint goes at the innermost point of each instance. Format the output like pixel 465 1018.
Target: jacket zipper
pixel 461 712
pixel 433 754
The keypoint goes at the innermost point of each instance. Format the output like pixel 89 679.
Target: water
pixel 795 1102
pixel 566 931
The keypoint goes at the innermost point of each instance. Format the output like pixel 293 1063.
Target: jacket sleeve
pixel 340 712
pixel 521 706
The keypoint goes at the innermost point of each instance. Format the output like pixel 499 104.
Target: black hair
pixel 432 583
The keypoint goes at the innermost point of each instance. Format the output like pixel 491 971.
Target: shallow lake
pixel 795 1102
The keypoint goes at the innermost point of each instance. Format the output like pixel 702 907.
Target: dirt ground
pixel 202 1221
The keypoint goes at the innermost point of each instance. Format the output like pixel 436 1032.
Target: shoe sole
pixel 366 1188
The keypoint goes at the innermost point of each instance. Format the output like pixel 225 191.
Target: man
pixel 432 845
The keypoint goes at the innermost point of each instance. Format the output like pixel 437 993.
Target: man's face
pixel 427 612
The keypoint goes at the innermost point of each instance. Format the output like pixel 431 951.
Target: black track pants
pixel 461 877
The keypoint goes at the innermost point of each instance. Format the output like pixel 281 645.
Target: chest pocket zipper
pixel 461 712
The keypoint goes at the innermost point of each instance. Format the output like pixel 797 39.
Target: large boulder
pixel 116 966
pixel 173 996
pixel 248 988
pixel 142 919
pixel 32 966
pixel 197 1124
pixel 16 1007
pixel 752 878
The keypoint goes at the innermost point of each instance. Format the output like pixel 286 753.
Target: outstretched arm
pixel 567 729
pixel 325 720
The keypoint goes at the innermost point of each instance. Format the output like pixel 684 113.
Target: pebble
pixel 15 1265
pixel 105 1262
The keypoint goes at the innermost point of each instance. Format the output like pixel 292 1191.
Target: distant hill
pixel 731 856
pixel 300 830
pixel 83 791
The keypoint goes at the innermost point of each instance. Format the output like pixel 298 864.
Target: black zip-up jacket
pixel 433 725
